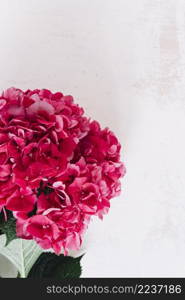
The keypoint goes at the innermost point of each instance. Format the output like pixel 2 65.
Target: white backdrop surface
pixel 124 62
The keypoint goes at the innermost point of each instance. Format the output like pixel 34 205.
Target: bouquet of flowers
pixel 58 168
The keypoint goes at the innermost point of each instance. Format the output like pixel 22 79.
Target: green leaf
pixel 50 265
pixel 22 253
pixel 8 227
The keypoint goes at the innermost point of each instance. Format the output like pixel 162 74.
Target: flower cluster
pixel 57 167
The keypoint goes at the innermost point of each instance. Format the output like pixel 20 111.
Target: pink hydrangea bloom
pixel 57 167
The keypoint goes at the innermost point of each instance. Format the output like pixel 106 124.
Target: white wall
pixel 124 61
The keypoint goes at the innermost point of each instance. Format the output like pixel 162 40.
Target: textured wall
pixel 124 61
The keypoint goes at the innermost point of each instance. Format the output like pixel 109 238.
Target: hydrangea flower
pixel 57 167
